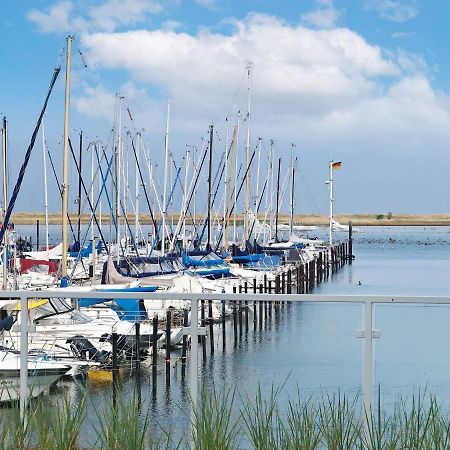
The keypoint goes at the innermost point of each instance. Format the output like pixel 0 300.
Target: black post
pixel 37 235
pixel 350 242
pixel 154 350
pixel 168 333
pixel 260 308
pixel 211 329
pixel 234 316
pixel 223 326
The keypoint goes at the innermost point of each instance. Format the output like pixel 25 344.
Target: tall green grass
pixel 225 420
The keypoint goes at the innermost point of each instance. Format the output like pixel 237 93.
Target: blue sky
pixel 367 81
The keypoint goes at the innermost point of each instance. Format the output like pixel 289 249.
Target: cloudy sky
pixel 366 81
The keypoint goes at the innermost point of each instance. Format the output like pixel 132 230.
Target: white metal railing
pixel 367 333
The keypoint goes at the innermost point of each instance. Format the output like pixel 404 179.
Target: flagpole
pixel 331 206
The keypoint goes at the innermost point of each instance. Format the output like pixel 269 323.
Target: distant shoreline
pixel 30 218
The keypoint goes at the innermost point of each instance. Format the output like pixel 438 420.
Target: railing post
pixel 23 392
pixel 194 367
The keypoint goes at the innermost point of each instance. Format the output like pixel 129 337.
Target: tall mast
pixel 118 169
pixel 65 182
pixel 4 166
pixel 92 146
pixel 257 177
pixel 235 178
pixel 136 189
pixel 247 150
pixel 166 168
pixel 227 180
pixel 278 200
pixel 211 131
pixel 5 197
pixel 79 189
pixel 230 189
pixel 291 223
pixel 271 189
pixel 185 196
pixel 44 162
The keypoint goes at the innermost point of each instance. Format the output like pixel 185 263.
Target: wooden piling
pixel 168 333
pixel 224 338
pixel 350 242
pixel 154 349
pixel 211 329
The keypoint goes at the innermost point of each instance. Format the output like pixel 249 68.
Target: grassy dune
pixel 29 218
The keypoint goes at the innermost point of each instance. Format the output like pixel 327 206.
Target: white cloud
pixel 321 87
pixel 394 10
pixel 57 17
pixel 112 13
pixel 324 16
pixel 68 16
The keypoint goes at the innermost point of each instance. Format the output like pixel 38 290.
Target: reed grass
pixel 224 420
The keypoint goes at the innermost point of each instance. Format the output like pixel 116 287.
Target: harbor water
pixel 313 348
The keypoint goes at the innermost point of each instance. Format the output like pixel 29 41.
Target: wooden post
pixel 320 268
pixel 240 313
pixel 289 281
pixel 350 242
pixel 168 333
pixel 261 287
pixel 37 234
pixel 223 326
pixel 255 317
pixel 265 283
pixel 154 350
pixel 211 329
pixel 246 307
pixel 234 316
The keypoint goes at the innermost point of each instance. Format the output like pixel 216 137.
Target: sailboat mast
pixel 271 189
pixel 44 162
pixel 166 168
pixel 136 189
pixel 278 200
pixel 5 197
pixel 211 131
pixel 291 223
pixel 247 150
pixel 227 180
pixel 65 182
pixel 118 164
pixel 5 165
pixel 236 177
pixel 79 189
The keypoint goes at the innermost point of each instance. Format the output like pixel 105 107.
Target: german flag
pixel 336 165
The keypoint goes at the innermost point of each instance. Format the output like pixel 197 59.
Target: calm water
pixel 314 348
